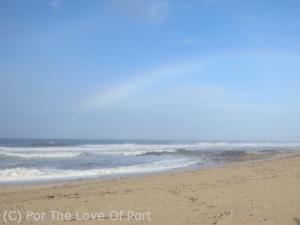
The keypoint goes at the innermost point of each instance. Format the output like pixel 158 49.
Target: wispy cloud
pixel 188 41
pixel 210 2
pixel 252 19
pixel 149 10
pixel 55 3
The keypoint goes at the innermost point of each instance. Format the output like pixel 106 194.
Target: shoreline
pixel 230 157
pixel 254 156
pixel 251 192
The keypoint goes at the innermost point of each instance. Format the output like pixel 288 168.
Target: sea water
pixel 24 160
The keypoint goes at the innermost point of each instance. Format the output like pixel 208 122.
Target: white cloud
pixel 55 3
pixel 210 2
pixel 188 41
pixel 253 19
pixel 148 10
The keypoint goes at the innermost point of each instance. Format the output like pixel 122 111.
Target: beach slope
pixel 256 192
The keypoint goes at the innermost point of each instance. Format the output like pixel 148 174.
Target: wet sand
pixel 251 192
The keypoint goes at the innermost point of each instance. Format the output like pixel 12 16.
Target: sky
pixel 150 69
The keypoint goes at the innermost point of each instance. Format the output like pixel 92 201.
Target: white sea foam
pixel 11 173
pixel 32 174
pixel 132 149
pixel 41 154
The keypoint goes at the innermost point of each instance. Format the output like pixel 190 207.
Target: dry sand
pixel 256 192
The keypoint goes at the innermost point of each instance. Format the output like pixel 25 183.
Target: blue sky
pixel 150 69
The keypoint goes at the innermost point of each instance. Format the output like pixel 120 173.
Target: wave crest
pixel 31 174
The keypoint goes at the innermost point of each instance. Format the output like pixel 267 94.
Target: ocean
pixel 38 160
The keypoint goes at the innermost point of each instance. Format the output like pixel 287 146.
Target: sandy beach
pixel 252 192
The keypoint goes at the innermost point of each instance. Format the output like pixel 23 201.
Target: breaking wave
pixel 31 174
pixel 133 149
pixel 53 161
